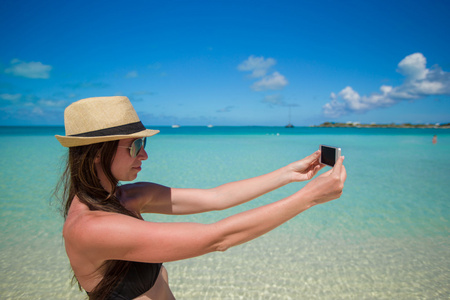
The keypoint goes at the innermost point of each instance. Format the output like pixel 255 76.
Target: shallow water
pixel 387 237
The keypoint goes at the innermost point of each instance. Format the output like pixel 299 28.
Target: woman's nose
pixel 142 154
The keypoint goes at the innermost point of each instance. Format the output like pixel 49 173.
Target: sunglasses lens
pixel 137 146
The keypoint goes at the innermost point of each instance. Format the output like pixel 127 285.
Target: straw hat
pixel 101 119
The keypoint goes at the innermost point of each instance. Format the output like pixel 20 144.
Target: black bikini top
pixel 140 278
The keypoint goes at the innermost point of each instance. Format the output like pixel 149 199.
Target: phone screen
pixel 328 155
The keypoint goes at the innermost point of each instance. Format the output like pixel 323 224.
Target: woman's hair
pixel 80 179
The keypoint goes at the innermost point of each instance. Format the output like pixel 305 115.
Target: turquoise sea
pixel 387 237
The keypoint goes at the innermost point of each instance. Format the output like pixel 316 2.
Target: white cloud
pixel 38 111
pixel 225 109
pixel 419 82
pixel 257 65
pixel 52 103
pixel 276 99
pixel 29 70
pixel 10 97
pixel 132 74
pixel 413 67
pixel 276 81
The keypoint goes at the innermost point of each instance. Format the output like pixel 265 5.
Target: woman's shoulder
pixel 91 236
pixel 89 231
pixel 136 195
pixel 80 220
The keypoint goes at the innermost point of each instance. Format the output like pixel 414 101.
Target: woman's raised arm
pixel 161 199
pixel 115 236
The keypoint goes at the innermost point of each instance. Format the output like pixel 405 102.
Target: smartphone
pixel 329 155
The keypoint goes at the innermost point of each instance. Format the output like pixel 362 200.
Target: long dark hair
pixel 80 179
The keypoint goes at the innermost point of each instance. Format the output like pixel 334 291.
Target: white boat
pixel 289 125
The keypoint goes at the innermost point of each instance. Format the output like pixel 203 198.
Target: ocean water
pixel 387 237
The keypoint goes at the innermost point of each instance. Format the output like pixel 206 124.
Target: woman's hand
pixel 306 168
pixel 328 186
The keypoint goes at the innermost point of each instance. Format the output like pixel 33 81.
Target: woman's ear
pixel 97 158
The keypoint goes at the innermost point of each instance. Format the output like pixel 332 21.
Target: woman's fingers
pixel 339 169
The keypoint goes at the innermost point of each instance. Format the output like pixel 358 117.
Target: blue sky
pixel 228 62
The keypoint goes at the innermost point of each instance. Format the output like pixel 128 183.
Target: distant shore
pixel 392 125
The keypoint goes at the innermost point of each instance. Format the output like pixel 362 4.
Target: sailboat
pixel 289 125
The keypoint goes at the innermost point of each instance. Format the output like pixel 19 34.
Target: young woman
pixel 113 252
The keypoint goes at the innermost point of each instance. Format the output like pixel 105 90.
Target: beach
pixel 387 237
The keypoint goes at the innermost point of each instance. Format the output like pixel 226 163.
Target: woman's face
pixel 124 167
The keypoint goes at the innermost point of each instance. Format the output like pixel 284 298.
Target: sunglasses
pixel 136 146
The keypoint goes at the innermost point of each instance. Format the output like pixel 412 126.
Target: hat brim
pixel 74 141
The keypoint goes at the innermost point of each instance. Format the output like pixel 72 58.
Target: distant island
pixel 373 125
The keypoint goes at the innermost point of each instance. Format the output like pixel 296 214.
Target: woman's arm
pixel 159 199
pixel 113 236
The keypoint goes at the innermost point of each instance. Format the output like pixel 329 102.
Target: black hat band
pixel 117 130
